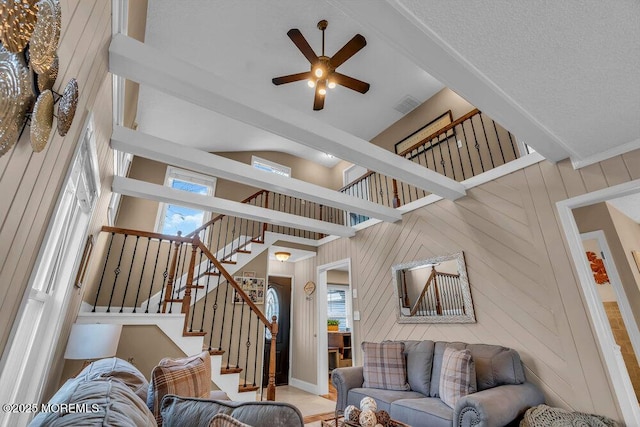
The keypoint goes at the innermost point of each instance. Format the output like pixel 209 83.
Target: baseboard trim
pixel 303 385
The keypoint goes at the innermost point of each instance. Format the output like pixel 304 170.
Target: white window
pixel 39 322
pixel 269 166
pixel 338 305
pixel 172 217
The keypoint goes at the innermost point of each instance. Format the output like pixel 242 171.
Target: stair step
pixel 196 287
pixel 194 334
pixel 243 251
pixel 212 273
pixel 216 352
pixel 230 370
pixel 245 388
pixel 225 261
pixel 173 300
pixel 257 241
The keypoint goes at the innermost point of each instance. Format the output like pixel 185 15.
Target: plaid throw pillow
pixel 224 420
pixel 188 377
pixel 385 366
pixel 458 375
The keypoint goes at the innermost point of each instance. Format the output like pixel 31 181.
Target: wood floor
pixel 333 394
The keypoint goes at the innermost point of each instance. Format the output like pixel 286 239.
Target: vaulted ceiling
pixel 560 75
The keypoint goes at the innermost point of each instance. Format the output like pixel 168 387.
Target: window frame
pixel 347 302
pixel 172 173
pixel 276 168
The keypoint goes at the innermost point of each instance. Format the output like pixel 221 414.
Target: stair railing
pixel 138 264
pixel 441 295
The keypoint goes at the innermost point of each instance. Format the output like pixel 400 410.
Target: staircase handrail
pixel 271 325
pixel 219 217
pixel 430 280
pixel 159 236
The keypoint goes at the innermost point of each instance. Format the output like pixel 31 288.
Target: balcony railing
pixel 467 147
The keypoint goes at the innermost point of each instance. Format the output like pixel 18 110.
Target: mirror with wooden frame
pixel 434 290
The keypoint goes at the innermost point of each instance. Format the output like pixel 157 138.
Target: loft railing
pixel 139 264
pixel 467 147
pixel 440 296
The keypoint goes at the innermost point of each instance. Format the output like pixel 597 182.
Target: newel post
pixel 168 293
pixel 271 388
pixel 186 300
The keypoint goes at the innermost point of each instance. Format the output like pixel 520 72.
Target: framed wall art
pixel 253 287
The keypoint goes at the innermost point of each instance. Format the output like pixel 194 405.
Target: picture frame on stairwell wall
pixel 253 287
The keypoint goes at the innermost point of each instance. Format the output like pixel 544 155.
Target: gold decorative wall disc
pixel 46 36
pixel 48 78
pixel 67 107
pixel 42 121
pixel 15 97
pixel 17 21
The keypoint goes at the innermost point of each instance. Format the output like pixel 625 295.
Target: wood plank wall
pixel 523 282
pixel 30 182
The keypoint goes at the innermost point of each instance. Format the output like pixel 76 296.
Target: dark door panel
pixel 278 302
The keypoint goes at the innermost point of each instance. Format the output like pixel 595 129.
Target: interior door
pixel 278 303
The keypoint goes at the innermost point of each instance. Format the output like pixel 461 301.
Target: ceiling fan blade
pixel 298 39
pixel 350 82
pixel 318 100
pixel 348 50
pixel 291 78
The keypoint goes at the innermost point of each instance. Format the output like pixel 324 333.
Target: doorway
pixel 278 303
pixel 335 293
pixel 607 281
pixel 611 352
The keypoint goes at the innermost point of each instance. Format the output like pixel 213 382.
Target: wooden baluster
pixel 322 235
pixel 186 300
pixel 271 388
pixel 396 199
pixel 437 294
pixel 172 271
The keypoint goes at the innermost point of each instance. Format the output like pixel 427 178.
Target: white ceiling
pixel 628 205
pixel 246 42
pixel 561 75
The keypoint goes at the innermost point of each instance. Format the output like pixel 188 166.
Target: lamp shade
pixel 92 341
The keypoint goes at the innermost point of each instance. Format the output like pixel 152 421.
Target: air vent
pixel 407 104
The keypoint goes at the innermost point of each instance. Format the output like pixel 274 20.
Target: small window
pixel 269 166
pixel 172 217
pixel 338 305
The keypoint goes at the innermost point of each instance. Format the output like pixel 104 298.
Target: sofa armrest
pixel 344 379
pixel 497 406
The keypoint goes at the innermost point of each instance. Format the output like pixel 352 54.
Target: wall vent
pixel 407 104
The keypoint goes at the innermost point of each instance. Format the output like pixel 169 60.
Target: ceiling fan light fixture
pixel 311 83
pixel 331 84
pixel 319 72
pixel 322 91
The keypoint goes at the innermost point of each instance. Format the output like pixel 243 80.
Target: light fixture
pixel 319 72
pixel 311 83
pixel 282 256
pixel 92 341
pixel 331 84
pixel 322 91
pixel 322 87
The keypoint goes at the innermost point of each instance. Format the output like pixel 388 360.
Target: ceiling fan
pixel 323 72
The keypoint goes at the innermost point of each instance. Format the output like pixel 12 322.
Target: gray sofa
pixel 112 392
pixel 503 393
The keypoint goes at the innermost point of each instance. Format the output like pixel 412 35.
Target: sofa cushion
pixel 384 366
pixel 100 402
pixel 188 376
pixel 178 411
pixel 428 411
pixel 383 398
pixel 458 375
pixel 495 365
pixel 119 369
pixel 419 365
